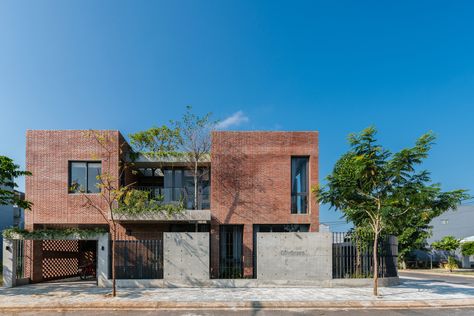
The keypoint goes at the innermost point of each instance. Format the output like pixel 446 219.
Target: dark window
pixel 230 251
pixel 299 185
pixel 83 177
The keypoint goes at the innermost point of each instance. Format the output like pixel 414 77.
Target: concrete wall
pixel 186 256
pixel 294 256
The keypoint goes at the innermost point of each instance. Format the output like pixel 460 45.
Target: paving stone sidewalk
pixel 75 295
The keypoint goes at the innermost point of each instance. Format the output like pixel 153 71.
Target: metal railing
pixel 137 259
pixel 175 195
pixel 20 258
pixel 353 258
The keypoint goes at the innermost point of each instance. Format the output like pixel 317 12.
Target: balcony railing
pixel 174 195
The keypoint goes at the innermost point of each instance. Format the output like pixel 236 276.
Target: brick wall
pixel 251 183
pixel 47 156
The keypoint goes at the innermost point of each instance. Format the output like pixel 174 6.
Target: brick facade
pixel 250 183
pixel 47 157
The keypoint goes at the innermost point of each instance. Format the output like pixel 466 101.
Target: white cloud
pixel 234 120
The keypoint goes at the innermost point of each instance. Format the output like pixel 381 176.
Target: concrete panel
pixel 294 256
pixel 103 258
pixel 9 261
pixel 186 257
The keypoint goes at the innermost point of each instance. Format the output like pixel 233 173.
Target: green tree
pixel 447 243
pixel 157 142
pixel 116 199
pixel 9 171
pixel 467 248
pixel 378 189
pixel 195 144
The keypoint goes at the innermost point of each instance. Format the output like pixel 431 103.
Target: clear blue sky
pixel 333 66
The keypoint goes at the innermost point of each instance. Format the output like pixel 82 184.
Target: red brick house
pixel 253 182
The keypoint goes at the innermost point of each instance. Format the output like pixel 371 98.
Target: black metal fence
pixel 21 269
pixel 353 257
pixel 137 259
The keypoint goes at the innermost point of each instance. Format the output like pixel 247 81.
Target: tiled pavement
pixel 87 294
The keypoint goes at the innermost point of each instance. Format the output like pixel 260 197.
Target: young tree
pixel 108 183
pixel 448 244
pixel 8 172
pixel 195 144
pixel 118 199
pixel 376 188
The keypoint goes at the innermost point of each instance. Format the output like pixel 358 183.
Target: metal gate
pixel 137 259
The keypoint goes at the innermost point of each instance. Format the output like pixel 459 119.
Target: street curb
pixel 434 273
pixel 172 305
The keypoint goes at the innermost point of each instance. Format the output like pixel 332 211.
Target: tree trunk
pixel 376 264
pixel 196 185
pixel 114 285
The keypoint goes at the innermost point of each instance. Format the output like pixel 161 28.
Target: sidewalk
pixel 68 296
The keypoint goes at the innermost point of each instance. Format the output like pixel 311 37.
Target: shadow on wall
pixel 238 185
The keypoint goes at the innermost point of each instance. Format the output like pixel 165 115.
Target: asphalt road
pixel 366 312
pixel 469 281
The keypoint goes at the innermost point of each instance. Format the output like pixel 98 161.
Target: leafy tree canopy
pixel 447 243
pixel 157 142
pixel 8 172
pixel 385 191
pixel 467 248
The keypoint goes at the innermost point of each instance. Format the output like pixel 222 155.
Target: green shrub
pixel 451 264
pixel 467 248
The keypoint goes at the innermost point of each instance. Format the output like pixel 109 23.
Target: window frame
pixel 87 162
pixel 296 194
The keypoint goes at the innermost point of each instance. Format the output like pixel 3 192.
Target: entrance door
pixel 230 251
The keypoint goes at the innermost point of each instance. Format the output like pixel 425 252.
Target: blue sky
pixel 333 66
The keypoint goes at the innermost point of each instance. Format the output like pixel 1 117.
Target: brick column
pixel 214 236
pixel 248 250
pixel 37 264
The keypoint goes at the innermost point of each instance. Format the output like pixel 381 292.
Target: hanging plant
pixel 137 202
pixel 44 234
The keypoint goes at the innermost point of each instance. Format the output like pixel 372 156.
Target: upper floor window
pixel 299 185
pixel 83 176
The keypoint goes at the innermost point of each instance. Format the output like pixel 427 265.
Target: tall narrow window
pixel 83 177
pixel 299 185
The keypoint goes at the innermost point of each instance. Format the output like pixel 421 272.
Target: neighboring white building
pixel 458 223
pixel 11 216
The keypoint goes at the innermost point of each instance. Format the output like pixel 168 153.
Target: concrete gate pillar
pixel 9 263
pixel 103 258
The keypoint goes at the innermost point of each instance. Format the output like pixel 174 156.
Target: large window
pixel 299 185
pixel 83 177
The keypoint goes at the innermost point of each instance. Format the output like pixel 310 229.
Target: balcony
pixel 174 195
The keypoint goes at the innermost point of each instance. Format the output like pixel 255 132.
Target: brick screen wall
pixel 251 184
